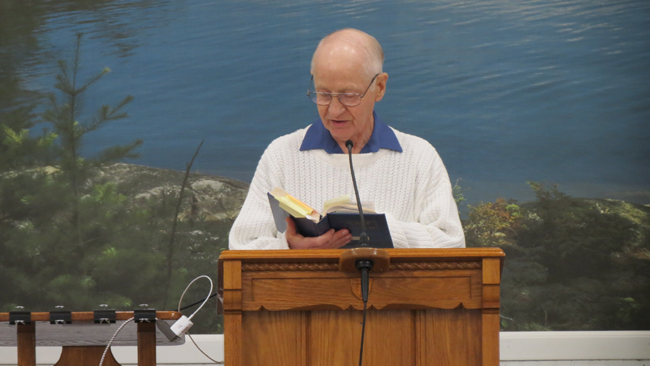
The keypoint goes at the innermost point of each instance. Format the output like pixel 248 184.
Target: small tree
pixel 59 227
pixel 64 118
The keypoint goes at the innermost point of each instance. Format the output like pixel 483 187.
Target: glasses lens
pixel 321 98
pixel 312 96
pixel 349 99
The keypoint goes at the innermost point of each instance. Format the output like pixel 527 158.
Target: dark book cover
pixel 376 225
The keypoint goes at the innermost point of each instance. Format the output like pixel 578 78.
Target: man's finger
pixel 323 240
pixel 342 241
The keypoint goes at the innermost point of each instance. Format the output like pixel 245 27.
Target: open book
pixel 338 213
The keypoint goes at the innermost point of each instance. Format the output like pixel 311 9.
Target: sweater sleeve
pixel 437 222
pixel 255 228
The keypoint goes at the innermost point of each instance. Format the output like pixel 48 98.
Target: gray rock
pixel 206 197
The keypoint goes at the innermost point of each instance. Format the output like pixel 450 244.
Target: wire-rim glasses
pixel 347 99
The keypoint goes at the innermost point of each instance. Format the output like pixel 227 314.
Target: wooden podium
pixel 294 307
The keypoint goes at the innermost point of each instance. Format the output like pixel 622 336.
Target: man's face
pixel 345 75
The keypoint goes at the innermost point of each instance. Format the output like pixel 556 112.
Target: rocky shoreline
pixel 215 198
pixel 212 198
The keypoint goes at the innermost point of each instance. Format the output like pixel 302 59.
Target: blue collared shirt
pixel 318 137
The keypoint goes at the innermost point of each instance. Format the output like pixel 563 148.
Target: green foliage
pixel 64 119
pixel 493 224
pixel 69 237
pixel 457 193
pixel 571 264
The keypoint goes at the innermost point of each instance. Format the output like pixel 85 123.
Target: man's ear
pixel 380 86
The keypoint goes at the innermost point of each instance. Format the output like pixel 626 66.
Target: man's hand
pixel 330 240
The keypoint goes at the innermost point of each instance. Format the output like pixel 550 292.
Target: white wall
pixel 517 349
pixel 575 348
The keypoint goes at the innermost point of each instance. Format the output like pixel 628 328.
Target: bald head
pixel 351 45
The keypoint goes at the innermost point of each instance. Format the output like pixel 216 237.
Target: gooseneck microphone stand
pixel 363 237
pixel 363 265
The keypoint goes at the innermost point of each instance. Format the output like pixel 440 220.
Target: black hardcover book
pixel 376 225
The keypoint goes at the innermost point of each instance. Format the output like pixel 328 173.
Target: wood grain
pixel 433 307
pixel 490 336
pixel 78 356
pixel 275 338
pixel 277 291
pixel 89 316
pixel 146 344
pixel 450 338
pixel 491 271
pixel 336 338
pixel 332 255
pixel 26 337
pixel 230 288
pixel 232 342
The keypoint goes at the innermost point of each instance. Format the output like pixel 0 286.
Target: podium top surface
pixel 333 255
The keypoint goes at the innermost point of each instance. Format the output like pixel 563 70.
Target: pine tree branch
pixel 115 153
pixel 77 61
pixel 92 80
pixel 106 114
pixel 63 81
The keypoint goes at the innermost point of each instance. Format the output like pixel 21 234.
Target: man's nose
pixel 336 107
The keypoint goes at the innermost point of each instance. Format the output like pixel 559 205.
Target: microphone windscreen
pixel 349 144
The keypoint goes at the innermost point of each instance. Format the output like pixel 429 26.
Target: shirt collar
pixel 318 137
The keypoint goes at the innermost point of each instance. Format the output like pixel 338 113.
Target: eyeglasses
pixel 347 99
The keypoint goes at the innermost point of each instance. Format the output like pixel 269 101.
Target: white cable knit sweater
pixel 412 188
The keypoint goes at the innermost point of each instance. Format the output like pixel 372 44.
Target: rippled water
pixel 554 91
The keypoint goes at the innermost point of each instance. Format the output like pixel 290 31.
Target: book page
pixel 368 208
pixel 294 206
pixel 345 199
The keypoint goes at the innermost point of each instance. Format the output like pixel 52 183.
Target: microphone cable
pixel 363 333
pixel 180 301
pixel 365 265
pixel 108 346
pixel 363 237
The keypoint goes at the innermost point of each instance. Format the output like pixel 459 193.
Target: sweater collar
pixel 318 137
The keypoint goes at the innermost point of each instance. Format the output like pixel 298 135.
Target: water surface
pixel 508 92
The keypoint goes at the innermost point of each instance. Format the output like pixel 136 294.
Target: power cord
pixel 180 327
pixel 183 324
pixel 101 361
pixel 185 330
pixel 205 354
pixel 204 301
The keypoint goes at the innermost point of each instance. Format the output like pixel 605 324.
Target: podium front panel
pixel 431 308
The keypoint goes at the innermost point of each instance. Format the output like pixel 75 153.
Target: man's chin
pixel 339 136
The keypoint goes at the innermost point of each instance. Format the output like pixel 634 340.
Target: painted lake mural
pixel 540 110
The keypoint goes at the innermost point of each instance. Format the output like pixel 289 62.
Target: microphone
pixel 364 261
pixel 363 238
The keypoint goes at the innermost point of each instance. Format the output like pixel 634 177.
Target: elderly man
pixel 401 174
